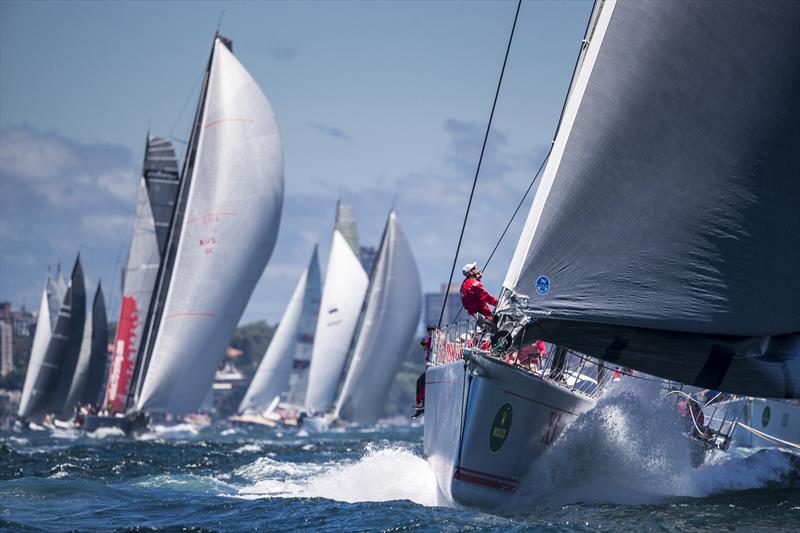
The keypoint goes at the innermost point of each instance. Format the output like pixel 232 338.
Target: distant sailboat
pixel 389 319
pixel 41 339
pixel 283 371
pixel 342 296
pixel 55 353
pixel 219 241
pixel 87 381
pixel 158 189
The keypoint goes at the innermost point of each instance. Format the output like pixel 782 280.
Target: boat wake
pixel 382 474
pixel 631 448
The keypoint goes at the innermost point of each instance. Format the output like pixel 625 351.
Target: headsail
pixel 342 296
pixel 289 351
pixel 221 237
pixel 41 339
pixel 390 316
pixel 155 205
pixel 665 233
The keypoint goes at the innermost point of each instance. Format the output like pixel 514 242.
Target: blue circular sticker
pixel 542 285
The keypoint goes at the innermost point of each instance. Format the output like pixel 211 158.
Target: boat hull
pixel 93 423
pixel 486 422
pixel 779 419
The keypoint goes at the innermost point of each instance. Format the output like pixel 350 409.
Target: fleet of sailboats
pixel 651 244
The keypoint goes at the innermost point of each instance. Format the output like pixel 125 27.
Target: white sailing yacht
pixel 283 371
pixel 663 237
pixel 342 297
pixel 220 238
pixel 387 325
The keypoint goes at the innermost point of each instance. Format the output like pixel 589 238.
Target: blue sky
pixel 377 102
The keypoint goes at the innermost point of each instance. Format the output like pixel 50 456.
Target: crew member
pixel 420 397
pixel 474 296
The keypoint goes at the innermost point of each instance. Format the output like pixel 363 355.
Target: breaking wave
pixel 381 474
pixel 631 448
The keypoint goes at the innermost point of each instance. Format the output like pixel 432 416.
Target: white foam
pixel 248 448
pixel 381 474
pixel 632 448
pixel 177 431
pixel 68 434
pixel 103 433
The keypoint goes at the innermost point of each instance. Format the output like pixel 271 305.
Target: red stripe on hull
pixel 484 481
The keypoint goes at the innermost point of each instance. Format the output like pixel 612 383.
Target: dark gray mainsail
pixel 51 368
pixel 65 345
pixel 162 179
pixel 665 231
pixel 389 317
pixel 98 359
pixel 88 377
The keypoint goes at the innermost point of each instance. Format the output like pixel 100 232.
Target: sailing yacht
pixel 56 347
pixel 155 204
pixel 663 237
pixel 283 371
pixel 207 251
pixel 387 324
pixel 342 297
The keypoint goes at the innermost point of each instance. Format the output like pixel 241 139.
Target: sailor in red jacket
pixel 474 296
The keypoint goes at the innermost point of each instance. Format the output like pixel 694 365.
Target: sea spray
pixel 383 473
pixel 633 448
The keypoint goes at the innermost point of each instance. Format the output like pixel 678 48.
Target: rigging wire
pixel 186 102
pixel 480 160
pixel 513 215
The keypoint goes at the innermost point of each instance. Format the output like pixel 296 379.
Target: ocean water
pixel 619 467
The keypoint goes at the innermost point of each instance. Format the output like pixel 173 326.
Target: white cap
pixel 466 268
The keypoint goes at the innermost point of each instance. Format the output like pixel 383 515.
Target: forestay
pixel 289 350
pixel 665 231
pixel 343 293
pixel 225 238
pixel 390 316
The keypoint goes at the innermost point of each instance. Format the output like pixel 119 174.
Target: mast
pixel 168 259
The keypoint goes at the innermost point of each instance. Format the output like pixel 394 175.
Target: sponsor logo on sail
pixel 542 285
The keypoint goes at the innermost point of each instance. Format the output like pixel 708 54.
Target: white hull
pixel 479 457
pixel 779 419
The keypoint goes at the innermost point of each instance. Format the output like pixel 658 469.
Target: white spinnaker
pixel 391 315
pixel 272 377
pixel 41 338
pixel 342 296
pixel 581 80
pixel 228 233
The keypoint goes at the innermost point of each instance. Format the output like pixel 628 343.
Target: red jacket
pixel 475 298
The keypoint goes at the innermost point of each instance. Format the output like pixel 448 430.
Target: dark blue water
pixel 238 479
